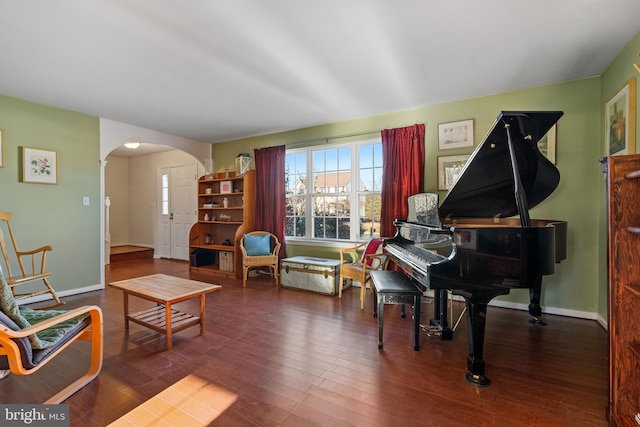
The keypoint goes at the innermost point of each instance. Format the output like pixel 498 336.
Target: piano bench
pixel 394 287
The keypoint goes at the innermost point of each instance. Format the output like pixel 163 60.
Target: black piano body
pixel 472 245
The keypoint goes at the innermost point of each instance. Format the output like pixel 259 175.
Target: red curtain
pixel 270 189
pixel 402 173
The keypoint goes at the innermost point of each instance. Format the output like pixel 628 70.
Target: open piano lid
pixel 485 187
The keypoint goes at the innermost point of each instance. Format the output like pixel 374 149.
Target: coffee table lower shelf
pixel 165 291
pixel 155 318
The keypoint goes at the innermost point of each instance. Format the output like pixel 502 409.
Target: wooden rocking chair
pixel 37 258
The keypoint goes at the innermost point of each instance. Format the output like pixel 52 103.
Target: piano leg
pixel 476 317
pixel 535 310
pixel 439 319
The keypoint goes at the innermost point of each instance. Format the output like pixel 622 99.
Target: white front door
pixel 178 210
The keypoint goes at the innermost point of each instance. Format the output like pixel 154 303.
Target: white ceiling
pixel 224 69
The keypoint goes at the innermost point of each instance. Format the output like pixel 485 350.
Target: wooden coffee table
pixel 165 291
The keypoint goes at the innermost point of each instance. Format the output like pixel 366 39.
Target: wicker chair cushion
pixel 257 245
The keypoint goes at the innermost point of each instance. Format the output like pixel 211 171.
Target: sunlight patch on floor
pixel 191 401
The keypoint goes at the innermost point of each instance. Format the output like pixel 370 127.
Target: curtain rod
pixel 326 139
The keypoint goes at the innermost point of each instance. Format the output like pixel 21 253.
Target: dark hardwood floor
pixel 296 358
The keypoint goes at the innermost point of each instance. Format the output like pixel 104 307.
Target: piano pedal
pixel 537 321
pixel 432 331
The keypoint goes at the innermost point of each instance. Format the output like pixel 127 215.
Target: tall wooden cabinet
pixel 226 210
pixel 623 217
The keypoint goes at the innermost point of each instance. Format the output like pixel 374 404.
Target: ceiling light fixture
pixel 132 145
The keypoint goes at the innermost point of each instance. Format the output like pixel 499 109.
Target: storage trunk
pixel 311 274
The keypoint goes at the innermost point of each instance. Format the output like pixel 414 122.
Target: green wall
pixel 613 79
pixel 54 214
pixel 574 286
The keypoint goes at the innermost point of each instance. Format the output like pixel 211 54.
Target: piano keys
pixel 471 244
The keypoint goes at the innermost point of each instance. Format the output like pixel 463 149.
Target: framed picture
pixel 1 148
pixel 620 121
pixel 449 168
pixel 455 134
pixel 547 144
pixel 39 166
pixel 226 187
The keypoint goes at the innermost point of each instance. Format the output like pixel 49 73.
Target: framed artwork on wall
pixel 455 134
pixel 620 121
pixel 449 168
pixel 39 166
pixel 547 144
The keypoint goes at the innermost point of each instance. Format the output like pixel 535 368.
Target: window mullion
pixel 308 232
pixel 355 199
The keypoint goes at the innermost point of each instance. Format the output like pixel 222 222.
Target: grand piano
pixel 480 242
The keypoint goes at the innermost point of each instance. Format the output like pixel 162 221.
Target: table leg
pixel 202 301
pixel 126 310
pixel 167 311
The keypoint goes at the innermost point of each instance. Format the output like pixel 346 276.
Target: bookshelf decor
pixel 226 210
pixel 243 164
pixel 226 187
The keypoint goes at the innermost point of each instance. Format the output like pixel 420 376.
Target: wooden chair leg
pixel 363 292
pixel 340 286
pixel 244 276
pixel 53 294
pixel 275 274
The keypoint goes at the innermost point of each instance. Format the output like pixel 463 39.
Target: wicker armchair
pixel 259 249
pixel 357 263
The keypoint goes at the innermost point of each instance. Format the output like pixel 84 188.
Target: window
pixel 165 194
pixel 334 193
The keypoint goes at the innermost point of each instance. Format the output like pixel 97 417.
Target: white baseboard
pixel 61 294
pixel 603 322
pixel 546 310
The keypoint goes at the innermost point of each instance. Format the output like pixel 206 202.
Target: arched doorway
pixel 113 135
